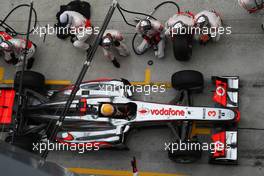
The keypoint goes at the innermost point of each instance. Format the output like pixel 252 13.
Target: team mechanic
pixel 152 32
pixel 13 50
pixel 75 21
pixel 252 6
pixel 113 39
pixel 178 22
pixel 211 21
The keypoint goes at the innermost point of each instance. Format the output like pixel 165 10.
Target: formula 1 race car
pixel 104 111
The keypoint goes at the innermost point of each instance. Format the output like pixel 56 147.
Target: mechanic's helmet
pixel 107 110
pixel 107 41
pixel 145 25
pixel 6 46
pixel 64 19
pixel 202 21
pixel 178 25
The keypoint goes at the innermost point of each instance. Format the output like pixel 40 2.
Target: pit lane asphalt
pixel 238 54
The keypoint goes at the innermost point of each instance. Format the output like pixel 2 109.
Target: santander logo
pixel 169 111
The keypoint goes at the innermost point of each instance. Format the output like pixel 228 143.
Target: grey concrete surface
pixel 238 54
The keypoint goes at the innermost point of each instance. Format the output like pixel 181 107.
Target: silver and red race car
pixel 104 111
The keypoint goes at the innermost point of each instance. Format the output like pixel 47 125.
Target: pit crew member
pixel 113 39
pixel 152 32
pixel 13 50
pixel 251 6
pixel 79 25
pixel 209 22
pixel 177 22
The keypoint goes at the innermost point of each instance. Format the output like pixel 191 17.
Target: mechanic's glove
pixel 73 39
pixel 204 39
pixel 13 59
pixel 116 43
pixel 20 61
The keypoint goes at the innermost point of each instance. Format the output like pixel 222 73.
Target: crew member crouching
pixel 14 48
pixel 152 32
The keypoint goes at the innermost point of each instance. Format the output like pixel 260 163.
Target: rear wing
pixel 226 91
pixel 7 98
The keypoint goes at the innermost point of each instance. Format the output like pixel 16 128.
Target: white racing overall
pixel 122 49
pixel 16 55
pixel 214 21
pixel 155 36
pixel 80 27
pixel 251 6
pixel 187 19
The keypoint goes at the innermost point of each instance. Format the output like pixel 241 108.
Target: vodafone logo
pixel 169 111
pixel 143 111
pixel 220 91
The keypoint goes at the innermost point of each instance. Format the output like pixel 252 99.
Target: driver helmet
pixel 107 110
pixel 6 46
pixel 107 41
pixel 145 25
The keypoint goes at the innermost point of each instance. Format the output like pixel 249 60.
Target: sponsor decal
pixel 169 111
pixel 220 91
pixel 143 111
pixel 211 113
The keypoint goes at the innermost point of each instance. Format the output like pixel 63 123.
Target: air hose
pixel 148 16
pixel 11 30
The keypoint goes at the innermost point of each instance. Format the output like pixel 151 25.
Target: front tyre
pixel 31 80
pixel 188 80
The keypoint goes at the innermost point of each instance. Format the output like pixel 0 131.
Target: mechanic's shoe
pixel 30 63
pixel 262 27
pixel 88 48
pixel 116 63
pixel 159 55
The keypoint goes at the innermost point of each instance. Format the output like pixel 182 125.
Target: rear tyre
pixel 190 155
pixel 182 47
pixel 188 80
pixel 31 80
